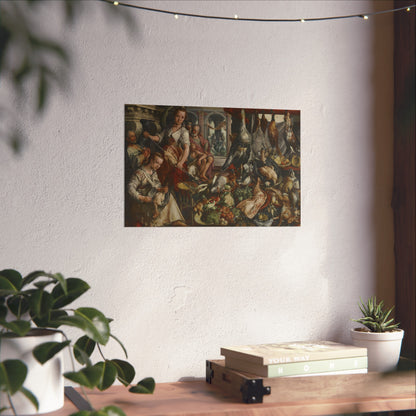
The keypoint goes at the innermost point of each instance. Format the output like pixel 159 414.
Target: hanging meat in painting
pixel 205 166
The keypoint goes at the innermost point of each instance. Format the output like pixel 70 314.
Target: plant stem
pixel 11 404
pixel 73 369
pixel 101 353
pixel 19 310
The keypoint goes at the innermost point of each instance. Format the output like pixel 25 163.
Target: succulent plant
pixel 375 318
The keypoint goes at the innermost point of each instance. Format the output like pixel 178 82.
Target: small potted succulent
pixel 380 335
pixel 34 310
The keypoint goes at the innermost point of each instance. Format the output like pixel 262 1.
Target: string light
pixel 248 19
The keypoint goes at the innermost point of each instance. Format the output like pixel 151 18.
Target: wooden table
pixel 200 398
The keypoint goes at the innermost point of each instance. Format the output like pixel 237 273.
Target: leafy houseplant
pixel 40 301
pixel 381 335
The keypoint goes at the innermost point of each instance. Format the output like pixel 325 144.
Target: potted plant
pixel 380 335
pixel 36 309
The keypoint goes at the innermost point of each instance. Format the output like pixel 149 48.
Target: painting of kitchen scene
pixel 204 167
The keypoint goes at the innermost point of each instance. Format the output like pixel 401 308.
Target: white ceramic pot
pixel 383 348
pixel 44 381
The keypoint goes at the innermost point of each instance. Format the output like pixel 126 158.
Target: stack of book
pixel 296 359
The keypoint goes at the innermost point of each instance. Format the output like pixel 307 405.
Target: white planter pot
pixel 44 381
pixel 383 348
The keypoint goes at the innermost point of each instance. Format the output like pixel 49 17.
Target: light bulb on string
pixel 248 19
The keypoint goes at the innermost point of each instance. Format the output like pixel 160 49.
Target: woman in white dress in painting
pixel 176 144
pixel 152 204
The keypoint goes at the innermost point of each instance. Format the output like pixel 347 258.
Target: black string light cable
pixel 364 16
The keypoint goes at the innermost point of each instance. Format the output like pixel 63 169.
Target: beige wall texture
pixel 178 294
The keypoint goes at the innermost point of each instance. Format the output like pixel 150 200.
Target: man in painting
pixel 151 203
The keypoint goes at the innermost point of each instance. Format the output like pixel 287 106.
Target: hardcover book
pixel 292 352
pixel 331 373
pixel 299 368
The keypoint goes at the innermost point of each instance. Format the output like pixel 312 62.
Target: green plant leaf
pixel 108 374
pixel 31 277
pixel 19 327
pixel 18 305
pixel 125 371
pixel 52 46
pixel 75 321
pixel 20 73
pixel 3 312
pixel 55 316
pixel 54 277
pixel 12 375
pixel 13 276
pixel 83 349
pixel 47 350
pixel 44 283
pixel 88 376
pixel 30 396
pixel 40 304
pixel 83 358
pixel 98 328
pixel 61 280
pixel 75 288
pixel 6 287
pixel 91 321
pixel 145 386
pixel 43 89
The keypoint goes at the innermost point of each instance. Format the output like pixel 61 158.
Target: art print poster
pixel 206 166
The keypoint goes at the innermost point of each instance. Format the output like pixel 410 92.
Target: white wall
pixel 178 295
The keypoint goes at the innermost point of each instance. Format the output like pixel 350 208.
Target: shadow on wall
pixel 382 140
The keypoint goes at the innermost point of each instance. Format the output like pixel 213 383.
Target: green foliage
pixel 29 395
pixel 145 386
pixel 43 63
pixel 125 371
pixel 44 352
pixel 40 300
pixel 83 348
pixel 88 376
pixel 374 317
pixel 12 375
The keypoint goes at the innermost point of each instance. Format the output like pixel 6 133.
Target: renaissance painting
pixel 206 166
